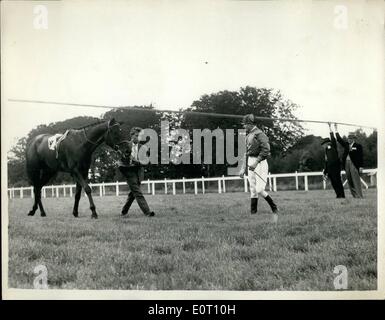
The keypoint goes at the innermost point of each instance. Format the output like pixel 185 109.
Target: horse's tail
pixel 32 162
pixel 30 152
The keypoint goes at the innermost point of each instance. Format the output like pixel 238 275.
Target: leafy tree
pixel 306 155
pixel 261 102
pixel 16 164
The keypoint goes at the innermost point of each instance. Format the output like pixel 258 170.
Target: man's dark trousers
pixel 134 176
pixel 334 174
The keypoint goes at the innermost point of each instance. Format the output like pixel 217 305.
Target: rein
pixel 101 138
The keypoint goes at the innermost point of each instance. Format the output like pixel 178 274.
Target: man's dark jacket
pixel 355 154
pixel 332 161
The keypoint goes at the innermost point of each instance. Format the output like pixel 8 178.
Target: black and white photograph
pixel 192 150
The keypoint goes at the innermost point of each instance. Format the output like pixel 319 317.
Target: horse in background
pixel 73 155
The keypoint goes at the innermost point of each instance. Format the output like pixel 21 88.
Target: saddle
pixel 55 141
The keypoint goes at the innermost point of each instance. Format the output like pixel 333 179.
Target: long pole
pixel 210 114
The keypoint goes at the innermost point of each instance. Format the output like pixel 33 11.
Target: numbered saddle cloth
pixel 55 140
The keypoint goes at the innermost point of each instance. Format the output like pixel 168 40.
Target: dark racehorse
pixel 73 156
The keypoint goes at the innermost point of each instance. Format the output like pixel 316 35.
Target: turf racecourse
pixel 202 242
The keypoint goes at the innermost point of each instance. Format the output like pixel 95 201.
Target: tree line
pixel 291 149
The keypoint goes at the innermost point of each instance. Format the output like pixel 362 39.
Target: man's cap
pixel 248 119
pixel 326 140
pixel 352 135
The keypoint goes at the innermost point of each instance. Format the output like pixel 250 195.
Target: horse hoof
pixel 31 213
pixel 43 215
pixel 94 216
pixel 75 214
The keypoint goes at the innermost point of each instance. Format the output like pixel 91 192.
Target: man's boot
pixel 254 205
pixel 271 203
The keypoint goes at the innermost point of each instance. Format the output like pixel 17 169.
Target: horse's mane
pixel 90 125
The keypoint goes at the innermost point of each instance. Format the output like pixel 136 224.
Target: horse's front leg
pixel 78 194
pixel 83 183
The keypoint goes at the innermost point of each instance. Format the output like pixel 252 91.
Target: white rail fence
pixel 170 185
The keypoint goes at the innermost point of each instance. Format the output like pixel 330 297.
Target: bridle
pixel 103 137
pixel 120 143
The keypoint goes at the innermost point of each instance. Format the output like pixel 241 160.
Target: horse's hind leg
pixel 42 211
pixel 78 194
pixel 36 201
pixel 81 180
pixel 45 177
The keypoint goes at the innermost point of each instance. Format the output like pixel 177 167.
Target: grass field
pixel 203 242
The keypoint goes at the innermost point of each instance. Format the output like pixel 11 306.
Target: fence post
pixel 306 183
pixel 101 190
pixel 148 186
pixel 275 184
pixel 64 190
pixel 219 186
pixel 245 183
pixel 184 185
pixel 203 185
pixel 57 192
pixel 117 188
pixel 21 193
pixel 32 194
pixel 196 186
pixel 224 183
pixel 324 184
pixel 70 191
pixel 153 188
pixel 372 180
pixel 270 184
pixel 165 185
pixel 173 188
pixel 364 183
pixel 296 181
pixel 44 192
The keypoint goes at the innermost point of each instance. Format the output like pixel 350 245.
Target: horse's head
pixel 113 135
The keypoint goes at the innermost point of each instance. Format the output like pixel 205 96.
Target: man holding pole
pixel 332 169
pixel 352 161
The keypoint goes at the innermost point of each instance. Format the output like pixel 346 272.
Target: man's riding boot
pixel 254 205
pixel 271 203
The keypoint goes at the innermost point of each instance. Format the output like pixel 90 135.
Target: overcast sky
pixel 135 53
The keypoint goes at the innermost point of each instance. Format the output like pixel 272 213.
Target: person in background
pixel 352 162
pixel 332 169
pixel 255 164
pixel 133 170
